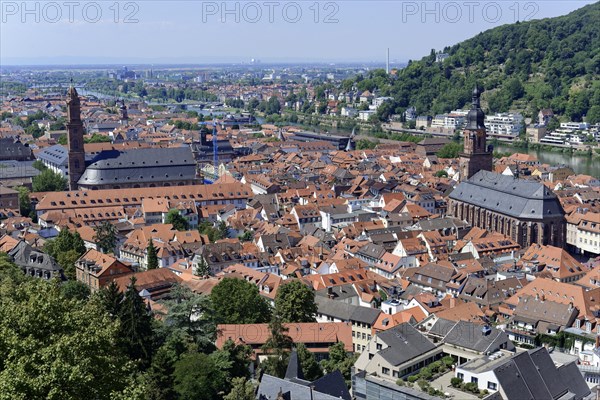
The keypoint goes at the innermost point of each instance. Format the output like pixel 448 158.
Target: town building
pixel 526 211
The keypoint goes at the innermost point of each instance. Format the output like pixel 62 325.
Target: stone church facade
pixel 525 210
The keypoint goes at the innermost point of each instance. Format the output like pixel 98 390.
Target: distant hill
pixel 525 66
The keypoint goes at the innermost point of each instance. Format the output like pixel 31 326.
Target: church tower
pixel 123 110
pixel 74 138
pixel 476 154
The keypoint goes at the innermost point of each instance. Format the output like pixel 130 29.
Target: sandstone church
pixel 525 210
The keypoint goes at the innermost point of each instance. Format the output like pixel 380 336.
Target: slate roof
pixel 17 169
pixel 271 386
pixel 11 149
pixel 532 375
pixel 333 384
pixel 140 165
pixel 25 256
pixel 345 311
pixel 56 154
pixel 571 376
pixel 518 198
pixel 404 343
pixel 471 336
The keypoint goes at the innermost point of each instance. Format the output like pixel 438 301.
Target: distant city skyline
pixel 190 32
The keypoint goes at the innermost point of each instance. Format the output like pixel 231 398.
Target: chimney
pixel 452 302
pixel 330 292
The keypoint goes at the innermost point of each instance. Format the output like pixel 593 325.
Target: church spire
pixel 476 155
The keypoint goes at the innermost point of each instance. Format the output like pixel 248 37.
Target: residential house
pixel 96 270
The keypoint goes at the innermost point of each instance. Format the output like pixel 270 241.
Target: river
pixel 580 164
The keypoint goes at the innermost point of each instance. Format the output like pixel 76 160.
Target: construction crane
pixel 214 139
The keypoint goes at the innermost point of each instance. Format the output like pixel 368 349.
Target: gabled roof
pixel 403 343
pixel 506 195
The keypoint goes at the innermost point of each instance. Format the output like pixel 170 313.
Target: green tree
pixel 106 237
pixel 593 114
pixel 9 271
pixel 159 382
pixel 295 302
pixel 111 299
pixel 247 236
pixel 49 181
pixel 310 367
pixel 214 234
pixel 241 389
pixel 178 221
pixel 39 165
pixel 223 230
pixel 75 290
pixel 203 269
pixel 441 174
pixel 339 360
pixel 236 301
pixel 66 249
pixel 24 201
pixel 52 347
pixel 450 150
pixel 277 348
pixel 197 377
pixel 190 313
pixel 136 326
pixel 234 359
pixel 151 255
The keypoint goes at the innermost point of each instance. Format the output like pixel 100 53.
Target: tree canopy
pixel 49 181
pixel 295 302
pixel 178 221
pixel 236 301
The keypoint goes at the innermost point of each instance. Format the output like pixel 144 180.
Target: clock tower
pixel 476 155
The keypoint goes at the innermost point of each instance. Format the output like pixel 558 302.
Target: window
pixel 492 385
pixel 385 371
pixel 379 346
pixel 474 379
pixel 460 375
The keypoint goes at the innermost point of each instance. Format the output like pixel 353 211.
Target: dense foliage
pixel 236 301
pixel 295 302
pixel 525 66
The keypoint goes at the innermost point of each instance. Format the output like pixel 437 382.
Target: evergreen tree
pixel 136 326
pixel 277 348
pixel 339 359
pixel 203 268
pixel 310 367
pixel 151 256
pixel 24 201
pixel 234 359
pixel 241 389
pixel 198 378
pixel 111 299
pixel 106 237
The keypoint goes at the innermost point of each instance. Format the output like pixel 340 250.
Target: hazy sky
pixel 151 31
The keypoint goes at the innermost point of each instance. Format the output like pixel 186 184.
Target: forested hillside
pixel 523 66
